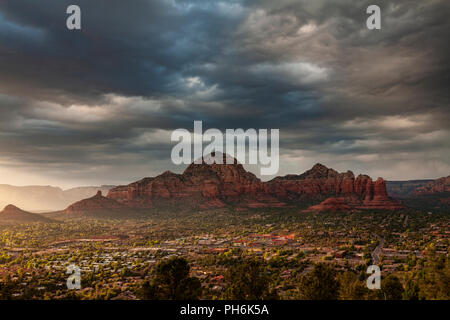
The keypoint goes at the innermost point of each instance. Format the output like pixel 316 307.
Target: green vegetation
pixel 320 283
pixel 172 282
pixel 247 280
pixel 228 254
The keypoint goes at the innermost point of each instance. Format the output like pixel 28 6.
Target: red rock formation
pixel 376 197
pixel 331 205
pixel 217 185
pixel 321 182
pixel 440 185
pixel 314 183
pixel 201 185
pixel 96 204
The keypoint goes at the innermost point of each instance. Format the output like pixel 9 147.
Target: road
pixel 376 252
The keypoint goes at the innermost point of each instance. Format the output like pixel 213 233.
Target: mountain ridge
pixel 11 213
pixel 207 185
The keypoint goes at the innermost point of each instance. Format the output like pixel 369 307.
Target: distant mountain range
pixel 404 189
pixel 45 198
pixel 441 185
pixel 434 195
pixel 204 186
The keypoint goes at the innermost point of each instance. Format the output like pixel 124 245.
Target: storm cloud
pixel 98 105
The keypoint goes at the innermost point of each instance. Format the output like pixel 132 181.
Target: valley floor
pixel 117 257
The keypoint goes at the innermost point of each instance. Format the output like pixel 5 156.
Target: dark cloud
pixel 83 105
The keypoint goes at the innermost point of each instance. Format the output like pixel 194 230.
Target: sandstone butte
pixel 95 204
pixel 205 185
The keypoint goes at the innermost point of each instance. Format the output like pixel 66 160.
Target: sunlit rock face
pixel 321 182
pixel 205 185
pixel 96 204
pixel 201 185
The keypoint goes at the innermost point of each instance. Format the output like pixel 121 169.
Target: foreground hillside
pixel 279 246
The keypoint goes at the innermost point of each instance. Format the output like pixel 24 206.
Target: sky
pixel 98 105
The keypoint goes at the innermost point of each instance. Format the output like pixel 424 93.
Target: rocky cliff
pixel 96 205
pixel 217 185
pixel 321 182
pixel 201 185
pixel 440 185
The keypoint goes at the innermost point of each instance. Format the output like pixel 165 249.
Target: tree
pixel 248 281
pixel 320 283
pixel 392 288
pixel 411 290
pixel 172 282
pixel 149 291
pixel 351 288
pixel 434 279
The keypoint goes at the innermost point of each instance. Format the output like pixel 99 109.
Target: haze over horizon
pixel 97 106
pixel 251 168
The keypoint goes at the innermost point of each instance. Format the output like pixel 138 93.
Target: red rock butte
pixel 218 185
pixel 95 204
